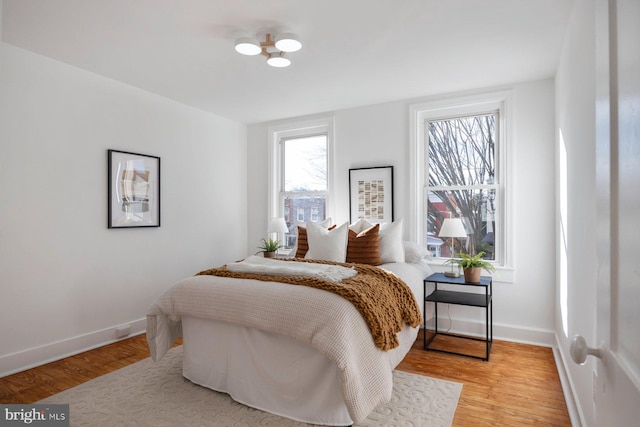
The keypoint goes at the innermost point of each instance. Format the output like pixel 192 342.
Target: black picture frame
pixel 371 194
pixel 133 190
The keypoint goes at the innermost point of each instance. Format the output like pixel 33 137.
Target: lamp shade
pixel 288 43
pixel 248 46
pixel 452 227
pixel 278 225
pixel 278 61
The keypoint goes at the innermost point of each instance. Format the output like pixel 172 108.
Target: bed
pixel 296 351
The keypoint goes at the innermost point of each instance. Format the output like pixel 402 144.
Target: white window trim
pixel 296 129
pixel 442 108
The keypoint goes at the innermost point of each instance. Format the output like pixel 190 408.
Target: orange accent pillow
pixel 364 247
pixel 303 243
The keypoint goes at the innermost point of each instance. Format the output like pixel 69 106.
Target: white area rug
pixel 156 394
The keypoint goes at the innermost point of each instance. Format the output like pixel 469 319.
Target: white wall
pixel 378 135
pixel 575 117
pixel 65 279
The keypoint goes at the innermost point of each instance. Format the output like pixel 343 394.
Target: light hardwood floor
pixel 518 386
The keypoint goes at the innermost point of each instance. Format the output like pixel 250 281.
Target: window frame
pixel 457 107
pixel 292 130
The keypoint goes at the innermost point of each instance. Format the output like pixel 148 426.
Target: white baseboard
pixel 568 389
pixel 533 336
pixel 23 360
pixel 519 334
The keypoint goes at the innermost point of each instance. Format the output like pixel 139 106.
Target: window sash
pixel 481 220
pixel 462 187
pixel 477 241
pixel 282 143
pixel 471 114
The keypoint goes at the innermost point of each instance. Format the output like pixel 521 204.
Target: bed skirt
pixel 273 373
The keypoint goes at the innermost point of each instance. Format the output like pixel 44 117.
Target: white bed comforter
pixel 321 319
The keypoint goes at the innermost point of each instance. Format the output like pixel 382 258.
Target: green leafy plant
pixel 467 261
pixel 270 245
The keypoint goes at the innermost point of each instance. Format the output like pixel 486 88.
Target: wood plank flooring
pixel 518 386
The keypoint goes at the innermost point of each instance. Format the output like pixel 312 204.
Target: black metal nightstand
pixel 482 300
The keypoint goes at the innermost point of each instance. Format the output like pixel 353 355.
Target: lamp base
pixel 451 274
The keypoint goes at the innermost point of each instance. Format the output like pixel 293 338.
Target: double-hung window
pixel 460 172
pixel 300 178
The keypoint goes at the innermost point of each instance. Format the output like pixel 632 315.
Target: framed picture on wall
pixel 371 194
pixel 134 190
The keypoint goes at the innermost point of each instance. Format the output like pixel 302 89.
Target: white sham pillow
pixel 414 252
pixel 391 246
pixel 294 252
pixel 360 225
pixel 326 223
pixel 329 245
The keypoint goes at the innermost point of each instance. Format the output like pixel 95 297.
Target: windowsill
pixel 502 274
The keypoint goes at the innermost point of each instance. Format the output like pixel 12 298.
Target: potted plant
pixel 472 266
pixel 269 247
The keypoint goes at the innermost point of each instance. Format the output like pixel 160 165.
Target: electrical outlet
pixel 123 331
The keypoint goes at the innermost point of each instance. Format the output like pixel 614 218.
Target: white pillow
pixel 360 225
pixel 414 252
pixel 423 267
pixel 391 247
pixel 326 223
pixel 330 245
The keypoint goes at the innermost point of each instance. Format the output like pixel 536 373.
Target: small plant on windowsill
pixel 270 247
pixel 472 266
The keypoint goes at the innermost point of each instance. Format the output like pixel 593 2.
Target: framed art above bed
pixel 134 190
pixel 371 194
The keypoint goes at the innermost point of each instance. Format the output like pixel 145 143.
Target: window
pixel 460 171
pixel 461 179
pixel 300 174
pixel 304 178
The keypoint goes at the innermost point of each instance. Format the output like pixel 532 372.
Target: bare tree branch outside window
pixel 462 178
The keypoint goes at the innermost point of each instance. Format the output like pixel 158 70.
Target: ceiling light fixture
pixel 273 48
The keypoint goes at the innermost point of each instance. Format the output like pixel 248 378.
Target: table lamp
pixel 453 228
pixel 278 225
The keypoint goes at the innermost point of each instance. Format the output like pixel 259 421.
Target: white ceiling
pixel 355 52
